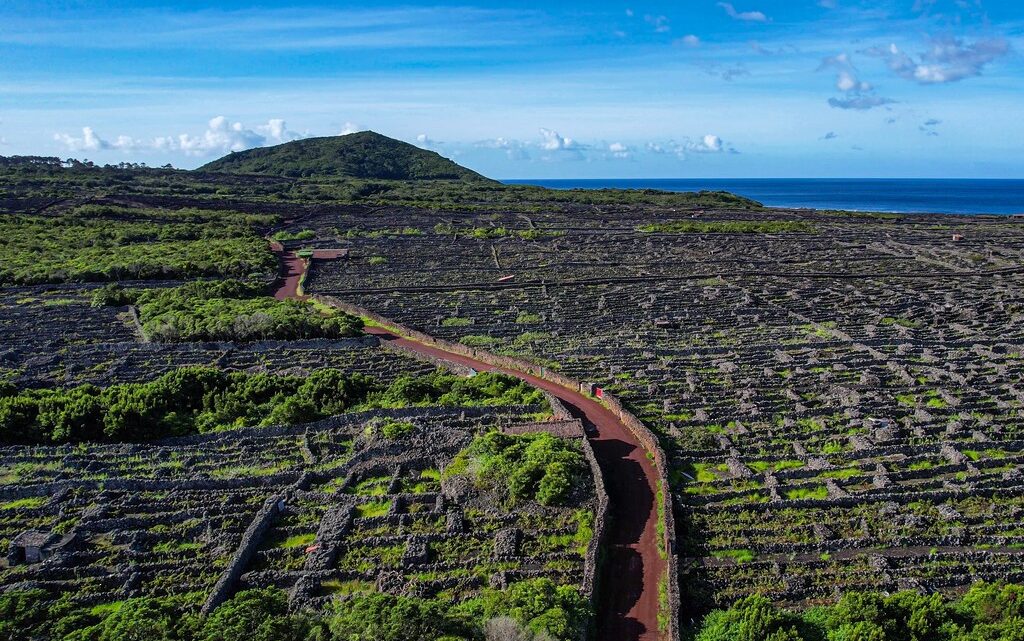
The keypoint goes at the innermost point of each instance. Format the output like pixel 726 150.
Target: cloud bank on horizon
pixel 648 89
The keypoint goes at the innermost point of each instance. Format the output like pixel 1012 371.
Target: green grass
pixel 703 473
pixel 479 340
pixel 297 541
pixel 775 466
pixel 740 556
pixel 526 318
pixel 167 547
pixel 27 503
pixel 844 473
pixel 818 493
pixel 337 587
pixel 456 322
pixel 373 486
pixel 373 508
pixel 305 234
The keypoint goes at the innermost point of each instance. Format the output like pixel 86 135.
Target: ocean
pixel 940 196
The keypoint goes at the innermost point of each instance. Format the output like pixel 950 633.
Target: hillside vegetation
pixel 361 155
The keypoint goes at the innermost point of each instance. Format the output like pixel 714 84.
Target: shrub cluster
pixel 227 310
pixel 193 400
pixel 521 467
pixel 987 612
pixel 727 227
pixel 305 234
pixel 106 243
pixel 262 615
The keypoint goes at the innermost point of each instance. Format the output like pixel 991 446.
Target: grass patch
pixel 297 541
pixel 478 340
pixel 27 503
pixel 337 587
pixel 373 508
pixel 740 556
pixel 818 493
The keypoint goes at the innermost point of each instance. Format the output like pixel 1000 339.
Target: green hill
pixel 361 155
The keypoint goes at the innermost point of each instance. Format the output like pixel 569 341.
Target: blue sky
pixel 691 88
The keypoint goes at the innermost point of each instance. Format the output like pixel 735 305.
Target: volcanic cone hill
pixel 366 154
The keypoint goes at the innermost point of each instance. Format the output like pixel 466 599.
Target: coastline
pixel 918 196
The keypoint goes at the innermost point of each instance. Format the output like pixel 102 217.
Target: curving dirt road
pixel 628 584
pixel 627 608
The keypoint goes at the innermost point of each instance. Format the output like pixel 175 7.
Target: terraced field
pixel 840 403
pixel 835 397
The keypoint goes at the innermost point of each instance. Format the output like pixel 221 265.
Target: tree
pixel 253 615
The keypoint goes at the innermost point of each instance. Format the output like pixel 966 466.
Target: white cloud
pixel 278 131
pixel 948 60
pixel 660 23
pixel 426 142
pixel 91 141
pixel 690 41
pixel 349 128
pixel 514 149
pixel 859 103
pixel 220 137
pixel 746 16
pixel 553 141
pixel 859 95
pixel 620 151
pixel 709 144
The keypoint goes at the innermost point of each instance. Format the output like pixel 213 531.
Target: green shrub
pixel 522 467
pixel 542 606
pixel 193 400
pixel 305 234
pixel 228 310
pixel 392 430
pixel 383 617
pixel 102 243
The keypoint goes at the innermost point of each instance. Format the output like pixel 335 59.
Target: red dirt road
pixel 627 608
pixel 292 269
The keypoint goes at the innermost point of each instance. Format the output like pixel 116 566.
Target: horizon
pixel 922 89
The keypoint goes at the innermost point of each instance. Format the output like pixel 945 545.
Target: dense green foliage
pixel 52 178
pixel 227 310
pixel 305 234
pixel 987 612
pixel 441 388
pixel 95 243
pixel 522 467
pixel 727 227
pixel 262 615
pixel 360 155
pixel 193 400
pixel 484 233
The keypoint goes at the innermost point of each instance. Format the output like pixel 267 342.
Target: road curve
pixel 627 608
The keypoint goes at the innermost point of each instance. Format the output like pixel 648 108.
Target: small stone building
pixel 35 546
